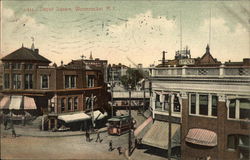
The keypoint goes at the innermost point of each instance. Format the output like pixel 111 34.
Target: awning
pixel 74 117
pixel 98 115
pixel 4 103
pixel 202 137
pixel 15 102
pixel 142 126
pixel 29 103
pixel 157 136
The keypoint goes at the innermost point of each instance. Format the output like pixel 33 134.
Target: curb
pixel 54 136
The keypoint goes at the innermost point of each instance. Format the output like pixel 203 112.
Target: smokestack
pixel 163 58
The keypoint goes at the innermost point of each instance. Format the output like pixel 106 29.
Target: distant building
pixel 115 72
pixel 62 93
pixel 210 107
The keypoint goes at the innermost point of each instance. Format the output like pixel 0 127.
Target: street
pixel 74 147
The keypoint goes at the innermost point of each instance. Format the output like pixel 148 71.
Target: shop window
pixel 75 103
pixel 63 104
pixel 203 104
pixel 28 81
pixel 69 104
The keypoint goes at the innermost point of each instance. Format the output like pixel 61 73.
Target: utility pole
pixel 112 110
pixel 129 135
pixel 144 95
pixel 169 126
pixel 92 109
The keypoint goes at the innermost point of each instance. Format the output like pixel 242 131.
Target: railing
pixel 221 71
pixel 134 94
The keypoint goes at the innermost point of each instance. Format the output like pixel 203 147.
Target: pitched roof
pixel 207 59
pixel 25 54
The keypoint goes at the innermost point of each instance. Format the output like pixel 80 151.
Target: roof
pixel 25 54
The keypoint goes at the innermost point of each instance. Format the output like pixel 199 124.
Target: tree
pixel 132 77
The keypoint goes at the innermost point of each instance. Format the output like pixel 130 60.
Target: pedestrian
pixel 87 136
pixel 5 123
pixel 13 132
pixel 119 150
pixel 110 145
pixel 98 136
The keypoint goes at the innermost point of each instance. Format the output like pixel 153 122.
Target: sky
pixel 128 32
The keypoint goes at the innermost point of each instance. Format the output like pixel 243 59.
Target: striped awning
pixel 29 103
pixel 16 102
pixel 75 117
pixel 142 126
pixel 4 103
pixel 157 135
pixel 202 137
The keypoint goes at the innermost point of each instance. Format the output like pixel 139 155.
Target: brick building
pixel 210 107
pixel 59 92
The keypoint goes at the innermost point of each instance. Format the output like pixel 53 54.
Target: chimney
pixel 163 58
pixel 33 47
pixel 37 50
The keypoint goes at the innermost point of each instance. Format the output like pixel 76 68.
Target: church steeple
pixel 91 57
pixel 208 49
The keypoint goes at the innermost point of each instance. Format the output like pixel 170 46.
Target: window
pixel 6 66
pixel 63 104
pixel 214 105
pixel 166 102
pixel 16 81
pixel 157 101
pixel 69 103
pixel 177 105
pixel 232 108
pixel 75 103
pixel 87 103
pixel 239 109
pixel 28 81
pixel 44 81
pixel 91 80
pixel 203 104
pixel 244 109
pixel 70 81
pixel 231 142
pixel 16 66
pixel 28 66
pixel 6 80
pixel 193 103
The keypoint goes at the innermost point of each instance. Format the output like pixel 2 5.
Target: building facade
pixel 53 90
pixel 209 102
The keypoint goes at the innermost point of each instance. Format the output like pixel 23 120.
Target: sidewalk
pixel 33 132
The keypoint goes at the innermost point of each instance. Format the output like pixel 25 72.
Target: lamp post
pixel 129 135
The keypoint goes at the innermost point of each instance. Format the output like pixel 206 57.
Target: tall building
pixel 209 104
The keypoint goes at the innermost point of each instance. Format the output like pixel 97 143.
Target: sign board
pixel 189 61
